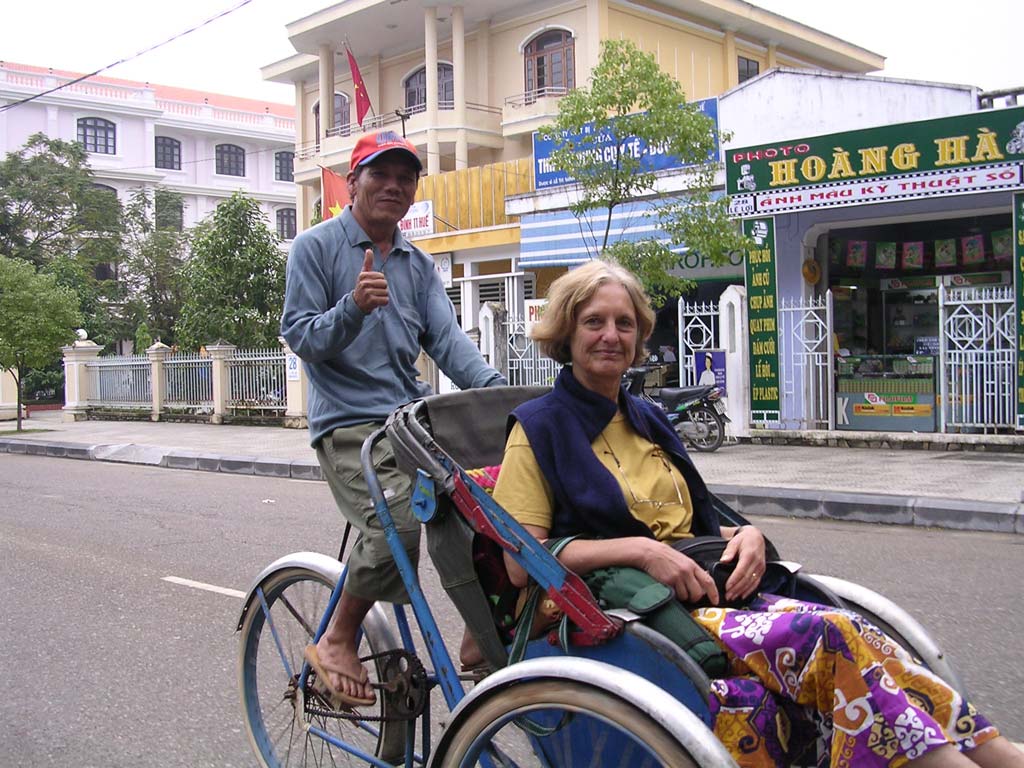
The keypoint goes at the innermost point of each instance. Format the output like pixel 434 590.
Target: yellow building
pixel 469 83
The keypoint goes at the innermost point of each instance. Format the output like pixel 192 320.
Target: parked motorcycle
pixel 696 413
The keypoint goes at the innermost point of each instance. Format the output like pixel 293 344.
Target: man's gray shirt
pixel 362 367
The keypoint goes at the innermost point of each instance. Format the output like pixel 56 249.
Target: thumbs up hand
pixel 371 289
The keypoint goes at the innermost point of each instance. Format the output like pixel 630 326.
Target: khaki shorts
pixel 372 573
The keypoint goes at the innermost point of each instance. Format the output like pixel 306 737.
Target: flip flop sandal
pixel 338 699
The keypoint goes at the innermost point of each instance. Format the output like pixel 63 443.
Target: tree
pixel 234 280
pixel 48 199
pixel 155 251
pixel 632 104
pixel 54 216
pixel 37 317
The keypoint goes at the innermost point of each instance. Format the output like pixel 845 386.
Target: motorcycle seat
pixel 673 396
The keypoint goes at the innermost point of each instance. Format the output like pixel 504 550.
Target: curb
pixel 168 458
pixel 890 509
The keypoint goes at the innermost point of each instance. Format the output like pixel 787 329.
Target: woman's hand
pixel 746 549
pixel 678 572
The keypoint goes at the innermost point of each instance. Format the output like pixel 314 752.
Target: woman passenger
pixel 589 459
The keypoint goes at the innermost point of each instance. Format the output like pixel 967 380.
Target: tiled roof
pixel 169 92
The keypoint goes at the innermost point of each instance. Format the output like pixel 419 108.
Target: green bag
pixel 635 590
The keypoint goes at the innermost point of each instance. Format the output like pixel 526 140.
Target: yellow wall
pixel 475 197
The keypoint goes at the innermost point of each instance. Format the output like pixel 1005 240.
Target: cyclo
pixel 602 689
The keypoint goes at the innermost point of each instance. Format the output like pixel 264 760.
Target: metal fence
pixel 805 353
pixel 698 330
pixel 979 353
pixel 188 382
pixel 256 380
pixel 120 382
pixel 526 365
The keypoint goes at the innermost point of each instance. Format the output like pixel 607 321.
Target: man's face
pixel 383 191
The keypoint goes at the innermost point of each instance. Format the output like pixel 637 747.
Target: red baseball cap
pixel 372 145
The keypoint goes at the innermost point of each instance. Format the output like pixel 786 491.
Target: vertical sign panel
pixel 1018 281
pixel 762 314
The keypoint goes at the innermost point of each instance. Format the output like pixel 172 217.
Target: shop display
pixel 889 393
pixel 885 256
pixel 913 255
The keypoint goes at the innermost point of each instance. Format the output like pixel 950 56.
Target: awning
pixel 560 239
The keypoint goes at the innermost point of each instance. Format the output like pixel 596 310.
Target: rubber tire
pixel 461 740
pixel 390 741
pixel 709 416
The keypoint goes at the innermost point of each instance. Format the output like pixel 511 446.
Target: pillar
pixel 459 86
pixel 733 336
pixel 157 354
pixel 731 65
pixel 296 387
pixel 220 353
pixel 430 52
pixel 77 384
pixel 326 84
pixel 8 396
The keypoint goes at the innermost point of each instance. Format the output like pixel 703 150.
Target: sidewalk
pixel 949 489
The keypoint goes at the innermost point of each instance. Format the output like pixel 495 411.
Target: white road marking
pixel 201 585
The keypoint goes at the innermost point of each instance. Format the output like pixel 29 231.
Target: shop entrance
pixel 894 354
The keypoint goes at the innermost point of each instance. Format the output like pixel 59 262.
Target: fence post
pixel 220 353
pixel 733 335
pixel 77 386
pixel 157 382
pixel 8 396
pixel 296 387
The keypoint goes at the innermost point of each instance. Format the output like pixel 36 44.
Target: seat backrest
pixel 470 425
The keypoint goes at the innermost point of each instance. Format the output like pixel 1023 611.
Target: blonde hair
pixel 572 290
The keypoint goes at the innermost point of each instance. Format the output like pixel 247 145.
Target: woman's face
pixel 604 340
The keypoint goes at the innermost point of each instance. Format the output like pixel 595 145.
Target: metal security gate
pixel 805 362
pixel 526 365
pixel 977 347
pixel 698 330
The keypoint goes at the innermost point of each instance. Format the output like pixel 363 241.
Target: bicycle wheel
pixel 275 722
pixel 580 725
pixel 708 428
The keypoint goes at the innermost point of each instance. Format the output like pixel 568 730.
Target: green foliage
pixel 53 216
pixel 44 383
pixel 630 96
pixel 234 280
pixel 37 317
pixel 155 250
pixel 143 338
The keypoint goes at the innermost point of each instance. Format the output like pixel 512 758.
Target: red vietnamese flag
pixel 333 193
pixel 359 87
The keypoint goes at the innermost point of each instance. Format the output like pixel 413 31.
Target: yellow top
pixel 656 497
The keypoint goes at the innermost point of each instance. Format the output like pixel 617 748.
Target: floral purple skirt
pixel 807 676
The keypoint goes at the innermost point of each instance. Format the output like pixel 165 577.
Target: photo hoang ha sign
pixel 977 152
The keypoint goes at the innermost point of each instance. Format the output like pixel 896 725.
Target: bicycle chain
pixel 404 688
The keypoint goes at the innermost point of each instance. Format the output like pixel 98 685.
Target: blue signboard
pixel 652 158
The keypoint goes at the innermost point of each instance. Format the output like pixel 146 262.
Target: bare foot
pixel 470 654
pixel 344 672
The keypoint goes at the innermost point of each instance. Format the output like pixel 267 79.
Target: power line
pixel 77 80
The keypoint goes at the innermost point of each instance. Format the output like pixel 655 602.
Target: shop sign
pixel 889 412
pixel 907 283
pixel 1018 281
pixel 652 158
pixel 443 265
pixel 534 311
pixel 709 369
pixel 975 279
pixel 419 221
pixel 762 314
pixel 976 152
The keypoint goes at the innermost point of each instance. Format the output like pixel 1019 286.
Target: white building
pixel 204 146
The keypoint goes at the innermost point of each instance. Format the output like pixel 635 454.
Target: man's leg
pixel 371 572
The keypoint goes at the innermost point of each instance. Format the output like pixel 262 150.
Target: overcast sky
pixel 967 43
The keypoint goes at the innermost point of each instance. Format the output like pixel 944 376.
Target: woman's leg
pixel 877 704
pixel 997 753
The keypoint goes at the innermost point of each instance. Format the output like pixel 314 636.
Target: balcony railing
pixel 529 97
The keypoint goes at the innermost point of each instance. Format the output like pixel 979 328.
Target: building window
pixel 416 88
pixel 230 160
pixel 168 153
pixel 748 68
pixel 97 135
pixel 169 212
pixel 284 166
pixel 549 61
pixel 341 116
pixel 286 223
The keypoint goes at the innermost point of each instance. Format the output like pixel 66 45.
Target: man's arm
pixel 314 328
